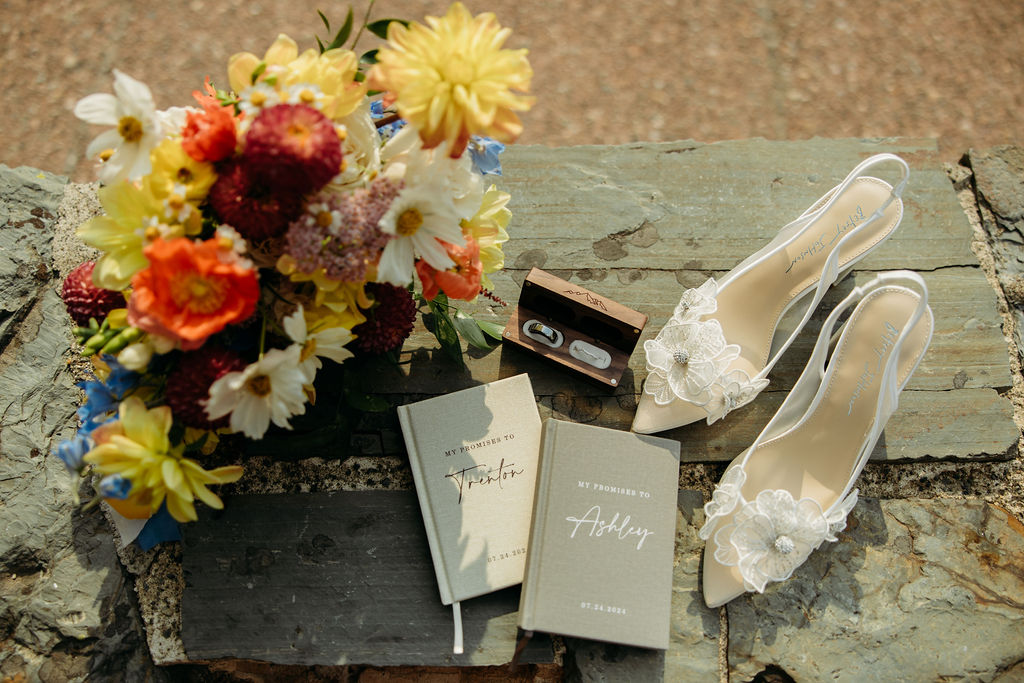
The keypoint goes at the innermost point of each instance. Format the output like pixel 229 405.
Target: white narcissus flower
pixel 269 390
pixel 418 217
pixel 405 159
pixel 361 147
pixel 138 128
pixel 326 342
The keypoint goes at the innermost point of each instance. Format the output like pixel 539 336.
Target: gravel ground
pixel 606 72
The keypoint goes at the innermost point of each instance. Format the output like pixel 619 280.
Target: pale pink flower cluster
pixel 339 233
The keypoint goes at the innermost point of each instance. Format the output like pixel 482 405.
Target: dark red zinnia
pixel 248 205
pixel 388 322
pixel 84 299
pixel 188 385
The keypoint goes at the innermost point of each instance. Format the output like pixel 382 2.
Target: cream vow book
pixel 474 457
pixel 600 557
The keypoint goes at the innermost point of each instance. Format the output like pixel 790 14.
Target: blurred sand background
pixel 606 72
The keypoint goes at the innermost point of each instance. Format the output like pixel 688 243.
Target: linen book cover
pixel 603 535
pixel 474 457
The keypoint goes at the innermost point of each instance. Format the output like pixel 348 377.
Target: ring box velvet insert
pixel 594 335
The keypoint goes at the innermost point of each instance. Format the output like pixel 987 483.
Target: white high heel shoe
pixel 716 351
pixel 793 488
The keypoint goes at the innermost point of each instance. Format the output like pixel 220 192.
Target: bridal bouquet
pixel 299 219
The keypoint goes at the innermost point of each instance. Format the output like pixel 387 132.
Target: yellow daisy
pixel 453 80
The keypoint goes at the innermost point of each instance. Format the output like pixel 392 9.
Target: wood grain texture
pixel 331 578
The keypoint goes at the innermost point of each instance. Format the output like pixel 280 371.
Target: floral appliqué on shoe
pixel 773 535
pixel 689 357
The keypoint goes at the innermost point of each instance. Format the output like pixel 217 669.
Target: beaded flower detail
pixel 774 534
pixel 689 359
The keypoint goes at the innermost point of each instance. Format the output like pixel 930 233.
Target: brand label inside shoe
pixel 824 242
pixel 874 368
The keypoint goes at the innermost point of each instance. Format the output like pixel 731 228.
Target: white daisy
pixel 418 218
pixel 255 99
pixel 271 389
pixel 138 128
pixel 325 342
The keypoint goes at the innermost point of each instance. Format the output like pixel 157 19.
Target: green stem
pixel 263 333
pixel 366 20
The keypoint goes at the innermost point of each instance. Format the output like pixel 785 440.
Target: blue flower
pixel 386 131
pixel 160 527
pixel 73 450
pixel 102 398
pixel 484 152
pixel 115 486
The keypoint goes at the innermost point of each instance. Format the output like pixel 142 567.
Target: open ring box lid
pixel 578 314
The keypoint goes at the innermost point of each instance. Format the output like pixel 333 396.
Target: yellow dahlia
pixel 453 80
pixel 137 447
pixel 334 72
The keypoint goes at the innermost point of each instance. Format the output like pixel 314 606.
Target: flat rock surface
pixel 67 611
pixel 914 590
pixel 955 435
pixel 640 223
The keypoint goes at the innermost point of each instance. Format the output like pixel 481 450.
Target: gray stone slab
pixel 998 176
pixel 331 578
pixel 668 206
pixel 915 589
pixel 692 654
pixel 65 611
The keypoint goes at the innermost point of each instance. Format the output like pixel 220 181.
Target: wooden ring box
pixel 578 314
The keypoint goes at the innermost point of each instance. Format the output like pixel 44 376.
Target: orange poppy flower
pixel 459 282
pixel 191 290
pixel 209 135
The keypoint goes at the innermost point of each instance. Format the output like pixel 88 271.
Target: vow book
pixel 473 455
pixel 601 547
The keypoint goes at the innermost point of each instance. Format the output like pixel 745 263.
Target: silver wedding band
pixel 544 331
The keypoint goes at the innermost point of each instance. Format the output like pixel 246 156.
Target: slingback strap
pixel 689 358
pixel 770 536
pixel 831 271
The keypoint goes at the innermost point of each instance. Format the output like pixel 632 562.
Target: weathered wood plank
pixel 669 206
pixel 331 578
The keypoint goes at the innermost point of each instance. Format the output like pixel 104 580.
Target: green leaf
pixel 369 57
pixel 320 45
pixel 492 330
pixel 258 71
pixel 343 33
pixel 327 24
pixel 444 328
pixel 379 28
pixel 470 331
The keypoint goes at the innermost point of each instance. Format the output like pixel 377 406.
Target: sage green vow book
pixel 601 547
pixel 473 455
